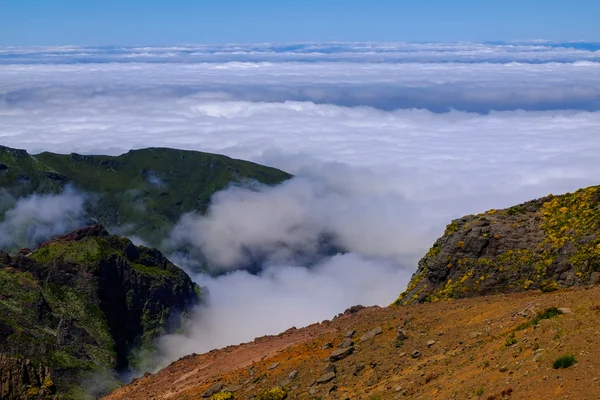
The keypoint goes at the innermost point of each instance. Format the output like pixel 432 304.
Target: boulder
pixel 371 334
pixel 340 354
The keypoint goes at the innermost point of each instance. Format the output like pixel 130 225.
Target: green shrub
pixel 273 394
pixel 564 361
pixel 547 314
pixel 510 340
pixel 223 396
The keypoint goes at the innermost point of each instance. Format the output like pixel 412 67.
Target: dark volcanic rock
pixel 87 299
pixel 543 244
pixel 21 379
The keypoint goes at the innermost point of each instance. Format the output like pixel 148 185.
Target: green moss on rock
pixel 83 303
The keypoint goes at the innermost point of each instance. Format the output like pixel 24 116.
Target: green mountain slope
pixel 144 192
pixel 83 306
pixel 545 244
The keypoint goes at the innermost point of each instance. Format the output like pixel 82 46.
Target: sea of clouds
pixel 387 142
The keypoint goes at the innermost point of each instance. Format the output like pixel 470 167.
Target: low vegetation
pixel 565 361
pixel 546 314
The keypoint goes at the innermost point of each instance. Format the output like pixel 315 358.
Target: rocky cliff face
pixel 20 378
pixel 545 244
pixel 82 304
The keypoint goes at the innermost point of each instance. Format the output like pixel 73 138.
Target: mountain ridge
pixel 144 192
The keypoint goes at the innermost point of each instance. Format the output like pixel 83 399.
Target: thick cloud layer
pixel 388 143
pixel 473 87
pixel 34 219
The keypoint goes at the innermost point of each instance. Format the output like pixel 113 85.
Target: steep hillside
pixel 80 307
pixel 144 192
pixel 492 348
pixel 545 244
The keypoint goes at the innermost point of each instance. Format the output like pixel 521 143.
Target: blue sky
pixel 154 22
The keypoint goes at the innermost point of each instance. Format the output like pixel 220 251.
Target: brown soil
pixel 470 358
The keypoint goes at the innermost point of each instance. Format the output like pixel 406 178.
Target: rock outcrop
pixel 20 378
pixel 545 244
pixel 84 304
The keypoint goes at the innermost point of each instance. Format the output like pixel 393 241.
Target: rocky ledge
pixel 546 244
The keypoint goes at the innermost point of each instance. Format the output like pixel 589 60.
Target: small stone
pixel 326 346
pixel 326 377
pixel 216 388
pixel 442 333
pixel 273 366
pixel 546 377
pixel 595 379
pixel 358 369
pixel 233 388
pixel 430 343
pixel 330 368
pixel 340 354
pixel 371 334
pixel 293 374
pixel 565 310
pixel 595 278
pixel 346 343
pixel 416 354
pixel 503 368
pixel 350 334
pixel 401 335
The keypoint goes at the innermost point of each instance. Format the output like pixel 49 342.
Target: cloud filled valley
pixel 384 150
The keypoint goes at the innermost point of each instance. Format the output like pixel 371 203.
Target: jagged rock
pixel 371 334
pixel 327 377
pixel 273 366
pixel 293 374
pixel 340 354
pixel 215 388
pixel 401 335
pixel 415 354
pixel 358 369
pixel 330 368
pixel 430 343
pixel 327 345
pixel 346 343
pixel 119 296
pixel 20 378
pixel 350 334
pixel 493 252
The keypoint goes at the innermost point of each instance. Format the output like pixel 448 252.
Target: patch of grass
pixel 510 340
pixel 565 361
pixel 480 391
pixel 547 314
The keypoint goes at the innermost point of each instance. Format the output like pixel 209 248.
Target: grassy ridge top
pixel 144 190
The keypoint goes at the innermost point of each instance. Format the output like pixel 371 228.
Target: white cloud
pixel 244 306
pixel 34 219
